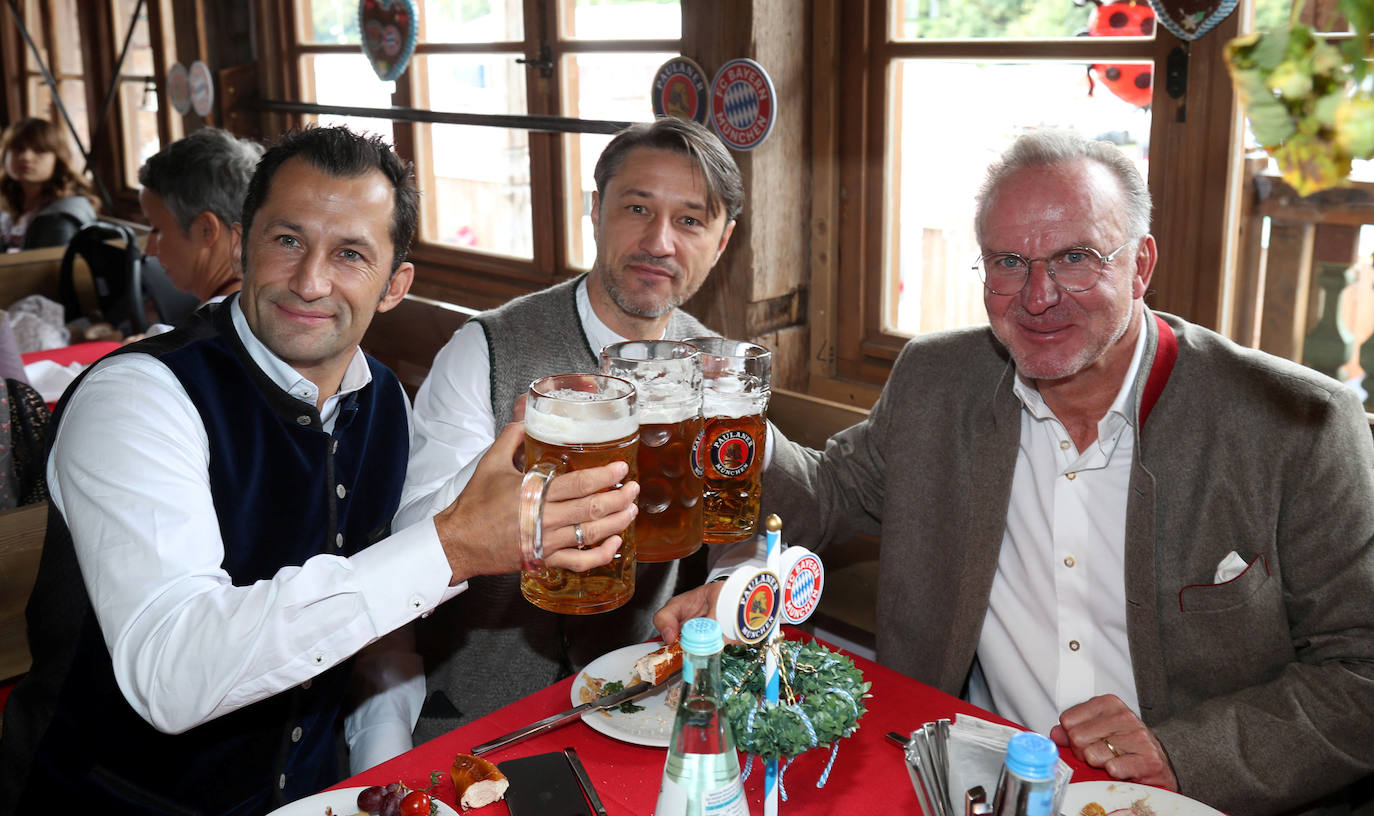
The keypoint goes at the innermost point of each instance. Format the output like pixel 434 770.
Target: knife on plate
pixel 549 723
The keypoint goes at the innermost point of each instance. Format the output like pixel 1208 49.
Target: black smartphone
pixel 543 785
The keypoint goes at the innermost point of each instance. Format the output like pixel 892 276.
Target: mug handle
pixel 534 490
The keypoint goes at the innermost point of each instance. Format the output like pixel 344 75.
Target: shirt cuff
pixel 405 576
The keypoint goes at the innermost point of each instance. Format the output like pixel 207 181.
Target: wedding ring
pixel 577 531
pixel 1111 747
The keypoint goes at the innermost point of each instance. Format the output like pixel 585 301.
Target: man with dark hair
pixel 667 197
pixel 192 195
pixel 224 494
pixel 1113 526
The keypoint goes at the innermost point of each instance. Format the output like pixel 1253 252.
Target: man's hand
pixel 694 603
pixel 1106 734
pixel 480 532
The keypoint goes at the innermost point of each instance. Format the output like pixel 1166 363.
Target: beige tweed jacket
pixel 1261 690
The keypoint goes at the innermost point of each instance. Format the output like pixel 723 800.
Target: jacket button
pixel 302 420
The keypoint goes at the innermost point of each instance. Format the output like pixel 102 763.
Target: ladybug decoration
pixel 1123 18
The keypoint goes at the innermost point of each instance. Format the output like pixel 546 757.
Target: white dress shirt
pixel 454 424
pixel 1055 631
pixel 130 474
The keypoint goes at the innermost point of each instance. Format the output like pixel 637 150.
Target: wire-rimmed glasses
pixel 1076 269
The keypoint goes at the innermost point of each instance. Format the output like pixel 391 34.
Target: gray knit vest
pixel 489 646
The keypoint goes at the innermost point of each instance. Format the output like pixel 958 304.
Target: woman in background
pixel 43 201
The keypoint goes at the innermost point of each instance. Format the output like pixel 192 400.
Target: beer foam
pixel 582 430
pixel 666 413
pixel 733 405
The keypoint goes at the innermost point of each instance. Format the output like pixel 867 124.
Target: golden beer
pixel 668 379
pixel 730 456
pixel 565 431
pixel 737 378
pixel 669 525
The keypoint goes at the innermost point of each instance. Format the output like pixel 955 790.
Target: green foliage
pixel 819 686
pixel 1305 98
pixel 952 19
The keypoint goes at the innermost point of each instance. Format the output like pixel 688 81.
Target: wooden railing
pixel 1306 294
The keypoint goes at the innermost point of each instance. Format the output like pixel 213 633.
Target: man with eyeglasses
pixel 1106 523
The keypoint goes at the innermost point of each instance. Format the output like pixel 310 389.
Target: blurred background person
pixel 43 200
pixel 192 195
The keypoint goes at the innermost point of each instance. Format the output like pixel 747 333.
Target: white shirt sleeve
pixel 389 677
pixel 129 473
pixel 454 425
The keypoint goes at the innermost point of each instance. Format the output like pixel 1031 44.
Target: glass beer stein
pixel 572 422
pixel 667 377
pixel 729 455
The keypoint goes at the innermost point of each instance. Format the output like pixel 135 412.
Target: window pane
pixel 34 23
pixel 328 21
pixel 65 26
pixel 930 284
pixel 480 189
pixel 614 87
pixel 1017 19
pixel 623 19
pixel 139 61
pixel 473 83
pixel 346 79
pixel 138 111
pixel 466 21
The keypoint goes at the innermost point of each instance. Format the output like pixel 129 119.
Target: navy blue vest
pixel 284 491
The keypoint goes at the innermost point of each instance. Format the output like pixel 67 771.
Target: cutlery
pixel 554 721
pixel 584 781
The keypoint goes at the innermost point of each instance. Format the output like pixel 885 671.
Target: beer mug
pixel 667 376
pixel 574 422
pixel 729 453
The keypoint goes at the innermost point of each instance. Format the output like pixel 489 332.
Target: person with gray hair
pixel 1106 523
pixel 667 197
pixel 192 193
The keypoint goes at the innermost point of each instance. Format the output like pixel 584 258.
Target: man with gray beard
pixel 667 196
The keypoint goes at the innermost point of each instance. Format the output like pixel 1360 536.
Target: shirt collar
pixel 598 333
pixel 289 379
pixel 1122 408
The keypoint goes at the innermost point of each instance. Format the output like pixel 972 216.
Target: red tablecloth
pixel 84 353
pixel 869 775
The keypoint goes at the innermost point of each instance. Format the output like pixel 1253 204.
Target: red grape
pixel 370 800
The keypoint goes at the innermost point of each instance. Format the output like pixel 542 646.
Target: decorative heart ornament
pixel 389 29
pixel 1190 19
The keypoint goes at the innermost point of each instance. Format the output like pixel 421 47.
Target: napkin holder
pixel 946 759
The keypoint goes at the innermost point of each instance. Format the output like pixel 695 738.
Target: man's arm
pixel 453 425
pixel 129 473
pixel 1304 730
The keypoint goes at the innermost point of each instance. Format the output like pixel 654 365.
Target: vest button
pixel 335 447
pixel 341 491
pixel 338 541
pixel 296 734
pixel 306 685
pixel 302 420
pixel 281 782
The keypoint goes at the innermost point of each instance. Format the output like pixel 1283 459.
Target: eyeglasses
pixel 1076 269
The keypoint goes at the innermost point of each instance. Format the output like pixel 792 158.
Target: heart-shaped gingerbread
pixel 1190 19
pixel 389 29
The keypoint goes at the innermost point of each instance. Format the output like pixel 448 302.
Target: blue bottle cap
pixel 701 636
pixel 1032 756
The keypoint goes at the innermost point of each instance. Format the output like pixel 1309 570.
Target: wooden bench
pixel 21 544
pixel 406 338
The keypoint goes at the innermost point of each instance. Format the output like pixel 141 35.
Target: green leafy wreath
pixel 820 698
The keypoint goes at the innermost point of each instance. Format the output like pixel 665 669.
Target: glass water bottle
pixel 701 777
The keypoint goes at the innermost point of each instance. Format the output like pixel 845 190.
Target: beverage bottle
pixel 701 777
pixel 1026 787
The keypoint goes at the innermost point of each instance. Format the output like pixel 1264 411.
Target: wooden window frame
pixel 445 272
pixel 1194 224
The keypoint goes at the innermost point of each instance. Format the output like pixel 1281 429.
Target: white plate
pixel 652 726
pixel 1117 795
pixel 343 801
